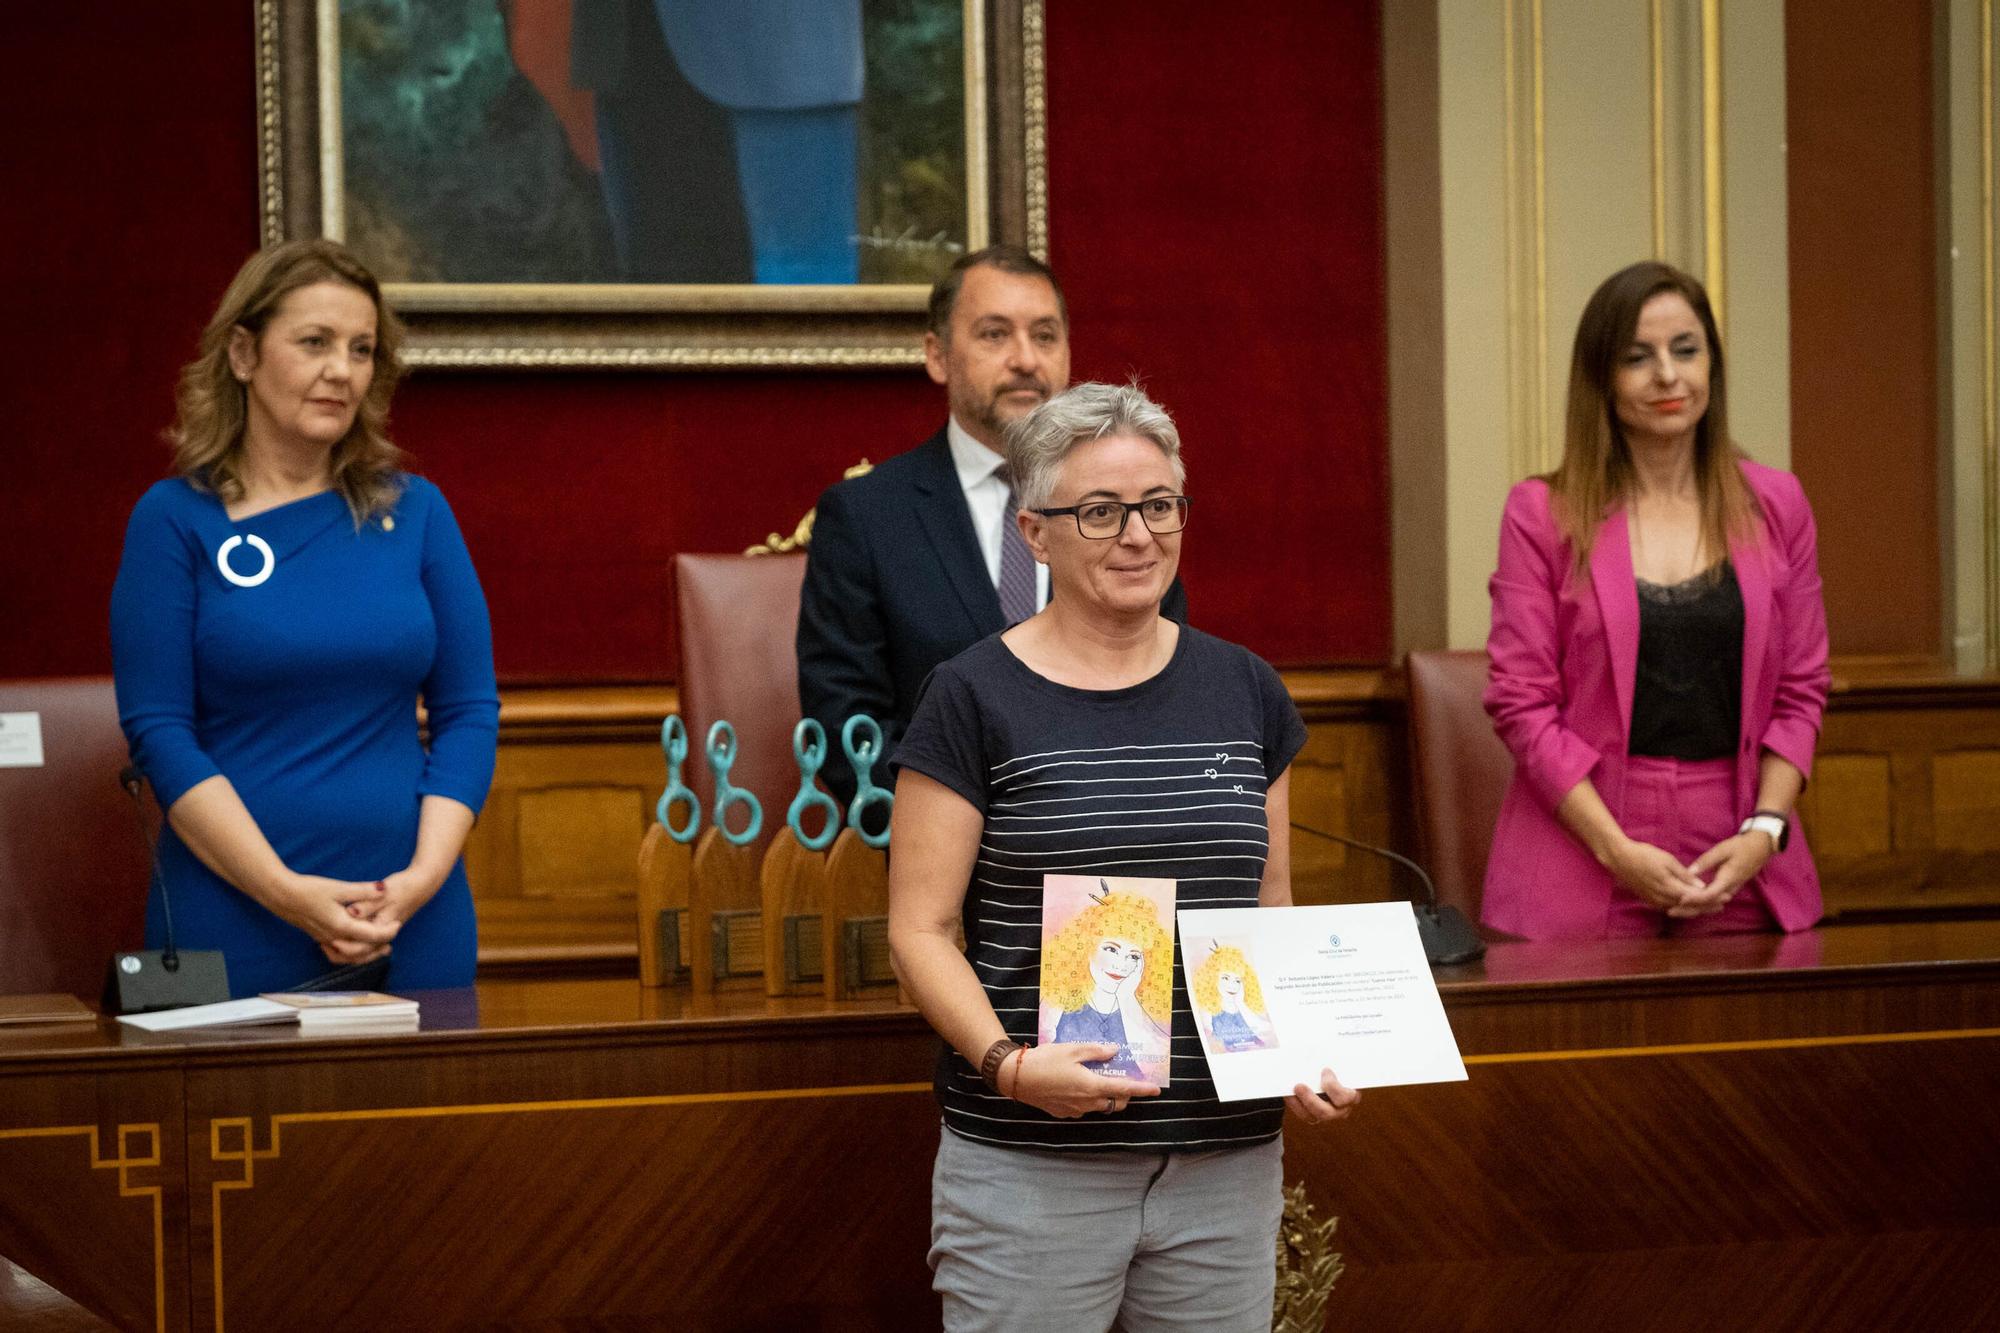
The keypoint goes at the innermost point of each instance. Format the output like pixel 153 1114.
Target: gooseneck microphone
pixel 150 979
pixel 1446 935
pixel 134 781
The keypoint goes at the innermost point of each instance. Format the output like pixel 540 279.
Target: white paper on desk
pixel 20 740
pixel 251 1012
pixel 1280 993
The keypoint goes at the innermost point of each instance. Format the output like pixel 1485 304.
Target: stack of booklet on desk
pixel 318 1012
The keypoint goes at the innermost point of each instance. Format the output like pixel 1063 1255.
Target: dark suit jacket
pixel 895 584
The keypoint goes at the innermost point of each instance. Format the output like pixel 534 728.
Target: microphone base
pixel 1446 935
pixel 141 983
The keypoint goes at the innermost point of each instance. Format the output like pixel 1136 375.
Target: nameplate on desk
pixel 738 943
pixel 670 929
pixel 803 941
pixel 20 740
pixel 865 952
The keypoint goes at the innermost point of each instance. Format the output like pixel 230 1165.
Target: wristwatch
pixel 1770 822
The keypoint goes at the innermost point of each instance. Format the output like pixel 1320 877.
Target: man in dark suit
pixel 919 559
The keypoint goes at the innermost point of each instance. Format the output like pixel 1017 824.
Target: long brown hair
pixel 1596 472
pixel 212 404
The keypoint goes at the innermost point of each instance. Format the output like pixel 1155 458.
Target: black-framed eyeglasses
pixel 1101 520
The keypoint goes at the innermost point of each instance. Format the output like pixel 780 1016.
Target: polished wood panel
pixel 93 1192
pixel 1648 1125
pixel 1901 810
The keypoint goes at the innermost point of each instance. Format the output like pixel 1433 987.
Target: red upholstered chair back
pixel 72 866
pixel 739 617
pixel 1462 770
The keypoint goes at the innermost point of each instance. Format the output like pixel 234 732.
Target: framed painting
pixel 654 183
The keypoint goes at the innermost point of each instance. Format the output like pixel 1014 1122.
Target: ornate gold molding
pixel 1989 339
pixel 1656 29
pixel 145 1137
pixel 802 534
pixel 1527 275
pixel 644 358
pixel 1713 233
pixel 1035 126
pixel 270 120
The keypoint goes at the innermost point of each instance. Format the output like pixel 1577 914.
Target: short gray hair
pixel 1038 443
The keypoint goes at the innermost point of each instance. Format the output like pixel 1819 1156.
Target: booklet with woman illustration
pixel 1108 970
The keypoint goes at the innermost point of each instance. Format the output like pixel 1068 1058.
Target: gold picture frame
pixel 635 326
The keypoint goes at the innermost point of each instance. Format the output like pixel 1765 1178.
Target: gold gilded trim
pixel 270 143
pixel 148 1135
pixel 802 534
pixel 644 358
pixel 1656 25
pixel 1530 446
pixel 1545 461
pixel 1989 338
pixel 246 1154
pixel 1035 126
pixel 978 183
pixel 1713 236
pixel 332 130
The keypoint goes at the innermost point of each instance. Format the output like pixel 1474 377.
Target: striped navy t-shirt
pixel 1163 780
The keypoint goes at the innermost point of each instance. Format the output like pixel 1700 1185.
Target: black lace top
pixel 1687 701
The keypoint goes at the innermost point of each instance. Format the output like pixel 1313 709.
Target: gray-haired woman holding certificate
pixel 1096 739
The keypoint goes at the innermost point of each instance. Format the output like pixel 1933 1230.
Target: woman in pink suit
pixel 1658 649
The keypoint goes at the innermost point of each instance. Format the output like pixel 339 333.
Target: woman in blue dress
pixel 282 606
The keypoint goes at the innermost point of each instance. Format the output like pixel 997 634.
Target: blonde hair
pixel 1066 979
pixel 212 404
pixel 1227 958
pixel 1596 471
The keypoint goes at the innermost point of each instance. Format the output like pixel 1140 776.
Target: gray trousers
pixel 1025 1240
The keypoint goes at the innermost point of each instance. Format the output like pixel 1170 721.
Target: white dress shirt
pixel 986 496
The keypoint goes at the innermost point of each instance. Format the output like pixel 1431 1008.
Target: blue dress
pixel 302 688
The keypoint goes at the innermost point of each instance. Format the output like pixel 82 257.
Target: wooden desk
pixel 1748 1132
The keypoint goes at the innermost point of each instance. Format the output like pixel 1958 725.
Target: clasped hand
pixel 1656 877
pixel 340 915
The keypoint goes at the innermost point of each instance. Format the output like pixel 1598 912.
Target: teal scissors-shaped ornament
pixel 861 737
pixel 809 747
pixel 721 755
pixel 674 740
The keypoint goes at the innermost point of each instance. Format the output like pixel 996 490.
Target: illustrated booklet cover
pixel 1108 970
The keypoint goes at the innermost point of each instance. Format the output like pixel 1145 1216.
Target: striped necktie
pixel 1017 565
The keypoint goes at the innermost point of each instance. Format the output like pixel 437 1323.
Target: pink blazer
pixel 1563 654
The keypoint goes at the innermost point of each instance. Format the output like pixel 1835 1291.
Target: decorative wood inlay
pixel 1852 805
pixel 1965 800
pixel 576 842
pixel 138 1148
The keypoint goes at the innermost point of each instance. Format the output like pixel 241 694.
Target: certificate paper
pixel 1280 993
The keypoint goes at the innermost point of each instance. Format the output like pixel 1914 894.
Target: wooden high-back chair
pixel 73 862
pixel 1461 770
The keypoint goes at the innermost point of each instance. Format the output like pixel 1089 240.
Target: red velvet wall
pixel 1215 205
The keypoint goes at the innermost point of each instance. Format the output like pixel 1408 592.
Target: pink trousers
pixel 1684 808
